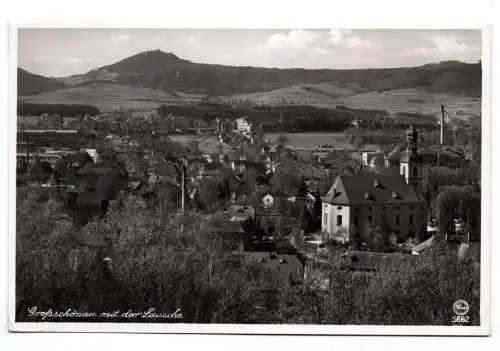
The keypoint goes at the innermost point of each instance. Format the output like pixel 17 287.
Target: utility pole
pixel 183 163
pixel 182 187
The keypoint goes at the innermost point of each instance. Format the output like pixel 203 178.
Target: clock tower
pixel 411 165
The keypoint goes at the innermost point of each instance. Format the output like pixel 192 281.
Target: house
pixel 51 137
pixel 357 204
pixel 243 125
pixel 444 158
pixel 378 162
pixel 367 156
pixel 93 154
pixel 430 157
pixel 392 158
pixel 233 226
pixel 354 203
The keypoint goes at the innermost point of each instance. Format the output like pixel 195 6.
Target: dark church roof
pixel 371 189
pixel 408 157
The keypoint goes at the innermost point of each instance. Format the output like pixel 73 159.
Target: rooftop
pixel 371 188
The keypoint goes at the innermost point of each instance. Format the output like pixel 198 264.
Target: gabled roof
pixel 371 189
pixel 443 153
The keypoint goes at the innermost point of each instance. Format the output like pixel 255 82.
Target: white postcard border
pixel 183 328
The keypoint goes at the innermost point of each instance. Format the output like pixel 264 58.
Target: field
pixel 320 95
pixel 413 100
pixel 399 100
pixel 109 97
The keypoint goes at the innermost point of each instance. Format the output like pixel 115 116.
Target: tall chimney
pixel 441 136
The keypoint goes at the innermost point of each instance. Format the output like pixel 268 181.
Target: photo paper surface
pixel 294 181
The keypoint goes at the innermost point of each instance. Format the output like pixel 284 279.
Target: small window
pixel 411 207
pixel 339 220
pixel 325 219
pixel 356 221
pixel 383 208
pixel 415 171
pixel 339 208
pixel 398 219
pixel 370 219
pixel 411 219
pixel 370 208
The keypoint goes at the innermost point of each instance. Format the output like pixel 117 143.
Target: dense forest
pixel 67 110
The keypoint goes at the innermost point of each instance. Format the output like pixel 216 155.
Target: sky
pixel 59 52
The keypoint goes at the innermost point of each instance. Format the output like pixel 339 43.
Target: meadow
pixel 110 97
pixel 398 100
pixel 414 101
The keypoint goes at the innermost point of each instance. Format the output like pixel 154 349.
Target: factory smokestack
pixel 441 135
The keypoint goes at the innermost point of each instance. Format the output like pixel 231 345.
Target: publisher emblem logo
pixel 460 307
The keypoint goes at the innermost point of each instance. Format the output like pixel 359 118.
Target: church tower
pixel 411 165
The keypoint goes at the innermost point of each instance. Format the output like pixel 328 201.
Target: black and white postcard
pixel 274 181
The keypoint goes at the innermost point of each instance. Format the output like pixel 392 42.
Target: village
pixel 286 209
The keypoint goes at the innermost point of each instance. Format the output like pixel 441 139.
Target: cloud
pixel 295 40
pixel 442 47
pixel 336 36
pixel 449 44
pixel 319 43
pixel 315 48
pixel 355 42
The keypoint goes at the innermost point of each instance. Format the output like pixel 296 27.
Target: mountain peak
pixel 156 53
pixel 144 61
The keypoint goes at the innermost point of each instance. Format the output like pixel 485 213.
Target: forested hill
pixel 29 83
pixel 165 71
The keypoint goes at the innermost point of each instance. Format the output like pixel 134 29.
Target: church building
pixel 356 204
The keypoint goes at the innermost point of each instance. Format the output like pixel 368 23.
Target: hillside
pixel 397 100
pixel 29 83
pixel 108 97
pixel 165 71
pixel 152 78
